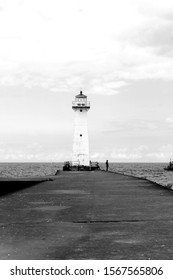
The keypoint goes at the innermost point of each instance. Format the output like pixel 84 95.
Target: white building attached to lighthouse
pixel 80 142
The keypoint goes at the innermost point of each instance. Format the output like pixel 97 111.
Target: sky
pixel 120 53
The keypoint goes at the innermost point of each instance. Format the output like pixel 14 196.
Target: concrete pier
pixel 87 215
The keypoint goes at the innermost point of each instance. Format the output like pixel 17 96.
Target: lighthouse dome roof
pixel 81 95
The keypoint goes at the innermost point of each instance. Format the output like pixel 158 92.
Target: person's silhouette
pixel 107 165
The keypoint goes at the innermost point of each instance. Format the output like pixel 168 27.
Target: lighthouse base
pixel 69 167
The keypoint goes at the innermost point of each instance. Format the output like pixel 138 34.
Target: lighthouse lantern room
pixel 80 141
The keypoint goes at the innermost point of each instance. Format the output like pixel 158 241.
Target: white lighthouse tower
pixel 80 142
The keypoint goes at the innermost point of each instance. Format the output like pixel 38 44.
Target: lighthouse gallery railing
pixel 80 104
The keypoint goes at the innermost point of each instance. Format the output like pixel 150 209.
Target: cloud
pixel 130 127
pixel 109 88
pixel 142 153
pixel 166 149
pixel 97 155
pixel 99 45
pixel 127 154
pixel 169 121
pixel 159 38
pixel 39 151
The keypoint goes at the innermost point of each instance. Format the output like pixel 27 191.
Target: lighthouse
pixel 80 141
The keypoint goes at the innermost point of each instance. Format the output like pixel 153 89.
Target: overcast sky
pixel 120 53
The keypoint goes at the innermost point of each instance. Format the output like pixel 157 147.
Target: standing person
pixel 107 165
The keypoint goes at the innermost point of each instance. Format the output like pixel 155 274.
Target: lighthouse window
pixel 80 135
pixel 80 110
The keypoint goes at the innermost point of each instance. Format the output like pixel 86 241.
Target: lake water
pixel 151 171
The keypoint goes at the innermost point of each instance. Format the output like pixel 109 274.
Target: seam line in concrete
pixel 120 221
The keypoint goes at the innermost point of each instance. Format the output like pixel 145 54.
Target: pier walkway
pixel 87 215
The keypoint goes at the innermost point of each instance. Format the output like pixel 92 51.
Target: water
pixel 152 171
pixel 29 169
